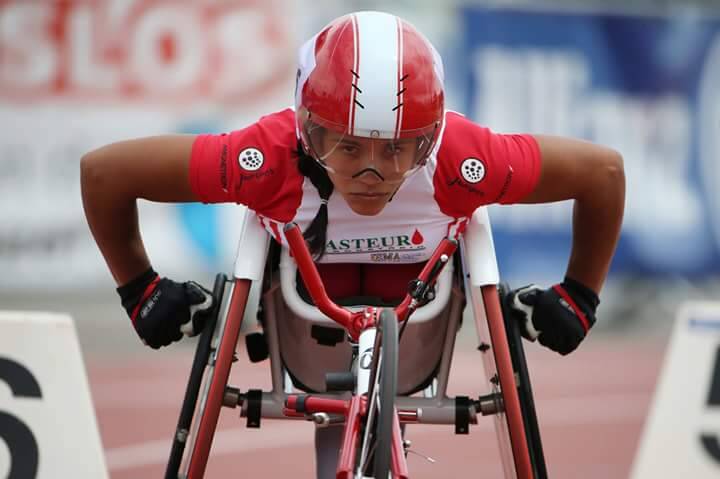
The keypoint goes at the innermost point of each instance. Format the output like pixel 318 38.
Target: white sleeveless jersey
pixel 470 167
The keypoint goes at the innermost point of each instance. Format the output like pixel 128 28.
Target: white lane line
pixel 151 453
pixel 575 410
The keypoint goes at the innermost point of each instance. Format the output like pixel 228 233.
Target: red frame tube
pixel 312 280
pixel 315 404
pixel 446 247
pixel 503 362
pixel 209 419
pixel 315 286
pixel 346 462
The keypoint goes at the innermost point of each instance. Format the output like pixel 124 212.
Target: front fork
pixel 354 410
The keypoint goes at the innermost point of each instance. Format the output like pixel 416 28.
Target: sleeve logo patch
pixel 251 159
pixel 472 170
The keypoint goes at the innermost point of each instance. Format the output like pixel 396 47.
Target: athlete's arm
pixel 594 177
pixel 114 177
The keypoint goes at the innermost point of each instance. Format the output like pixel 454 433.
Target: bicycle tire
pixel 384 375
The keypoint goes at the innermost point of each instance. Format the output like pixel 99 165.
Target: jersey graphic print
pixel 400 248
pixel 472 170
pixel 251 159
pixel 470 167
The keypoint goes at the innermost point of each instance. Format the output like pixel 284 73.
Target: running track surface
pixel 591 405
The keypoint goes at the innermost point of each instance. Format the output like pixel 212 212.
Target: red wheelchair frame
pixel 510 402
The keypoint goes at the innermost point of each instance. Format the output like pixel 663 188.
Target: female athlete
pixel 373 168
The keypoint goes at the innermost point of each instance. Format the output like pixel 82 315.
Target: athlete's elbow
pixel 96 173
pixel 90 170
pixel 613 171
pixel 614 167
pixel 603 179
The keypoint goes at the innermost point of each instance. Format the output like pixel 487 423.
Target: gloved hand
pixel 162 310
pixel 559 317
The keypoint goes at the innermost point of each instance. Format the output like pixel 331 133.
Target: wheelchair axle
pixel 490 404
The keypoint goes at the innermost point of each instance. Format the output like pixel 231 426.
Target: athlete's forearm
pixel 597 219
pixel 112 216
pixel 115 176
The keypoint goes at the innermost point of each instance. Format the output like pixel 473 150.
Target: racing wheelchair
pixel 368 366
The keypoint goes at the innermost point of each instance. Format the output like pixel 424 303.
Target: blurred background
pixel 640 76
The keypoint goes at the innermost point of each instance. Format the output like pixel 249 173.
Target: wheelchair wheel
pixel 200 361
pixel 207 382
pixel 510 423
pixel 375 449
pixel 527 403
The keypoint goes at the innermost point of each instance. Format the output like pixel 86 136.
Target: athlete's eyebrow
pixel 336 137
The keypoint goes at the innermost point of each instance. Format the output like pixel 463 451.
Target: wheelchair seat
pixel 311 344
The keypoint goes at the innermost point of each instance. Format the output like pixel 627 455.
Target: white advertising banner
pixel 77 74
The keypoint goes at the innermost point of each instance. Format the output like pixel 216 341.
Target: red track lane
pixel 591 405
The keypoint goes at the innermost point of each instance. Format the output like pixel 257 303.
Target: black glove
pixel 559 317
pixel 161 310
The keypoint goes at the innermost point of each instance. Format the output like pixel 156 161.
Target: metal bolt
pixel 321 419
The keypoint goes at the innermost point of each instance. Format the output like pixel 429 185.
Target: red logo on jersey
pixel 417 238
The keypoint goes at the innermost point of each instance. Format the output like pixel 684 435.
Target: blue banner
pixel 647 86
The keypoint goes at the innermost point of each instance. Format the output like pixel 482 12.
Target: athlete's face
pixel 367 194
pixel 366 172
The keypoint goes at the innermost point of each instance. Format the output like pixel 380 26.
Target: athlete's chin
pixel 367 208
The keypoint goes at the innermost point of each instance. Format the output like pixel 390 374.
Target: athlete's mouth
pixel 370 195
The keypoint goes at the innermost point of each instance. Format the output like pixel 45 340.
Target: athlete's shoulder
pixel 460 133
pixel 273 133
pixel 255 166
pixel 476 167
pixel 278 128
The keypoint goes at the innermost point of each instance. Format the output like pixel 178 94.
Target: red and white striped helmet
pixel 372 75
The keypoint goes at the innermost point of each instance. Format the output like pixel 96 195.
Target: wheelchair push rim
pixel 504 379
pixel 525 394
pixel 195 381
pixel 214 364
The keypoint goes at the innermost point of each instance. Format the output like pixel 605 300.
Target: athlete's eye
pixel 393 149
pixel 349 149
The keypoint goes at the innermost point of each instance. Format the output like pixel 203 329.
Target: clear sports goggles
pixel 368 152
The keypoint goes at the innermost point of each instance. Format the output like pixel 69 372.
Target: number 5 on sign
pixel 711 440
pixel 682 432
pixel 47 422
